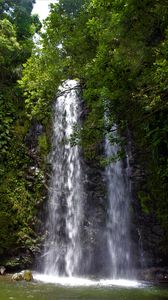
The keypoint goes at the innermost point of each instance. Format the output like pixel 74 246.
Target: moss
pixel 43 145
pixel 145 202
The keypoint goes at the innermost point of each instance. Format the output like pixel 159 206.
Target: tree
pixel 9 49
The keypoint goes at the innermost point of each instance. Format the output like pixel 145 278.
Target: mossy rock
pixel 27 275
pixel 24 275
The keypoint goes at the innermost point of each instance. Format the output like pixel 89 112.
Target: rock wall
pixel 95 210
pixel 147 234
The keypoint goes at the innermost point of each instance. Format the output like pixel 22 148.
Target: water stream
pixel 62 251
pixel 118 218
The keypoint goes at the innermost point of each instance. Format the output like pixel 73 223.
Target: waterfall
pixel 62 252
pixel 74 244
pixel 118 219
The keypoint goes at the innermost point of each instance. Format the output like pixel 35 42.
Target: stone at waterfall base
pixel 24 275
pixel 2 270
pixel 154 274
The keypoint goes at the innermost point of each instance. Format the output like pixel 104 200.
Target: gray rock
pixel 2 270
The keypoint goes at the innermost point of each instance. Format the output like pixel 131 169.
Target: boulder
pixel 2 270
pixel 27 275
pixel 24 275
pixel 17 277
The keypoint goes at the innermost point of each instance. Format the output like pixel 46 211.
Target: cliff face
pixel 95 213
pixel 148 234
pixel 148 238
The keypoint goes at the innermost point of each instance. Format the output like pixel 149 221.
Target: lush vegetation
pixel 119 50
pixel 18 197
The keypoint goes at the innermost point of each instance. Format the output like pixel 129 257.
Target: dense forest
pixel 118 51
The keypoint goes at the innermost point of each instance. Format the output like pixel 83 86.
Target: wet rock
pixel 24 275
pixel 2 270
pixel 162 277
pixel 27 275
pixel 17 277
pixel 154 274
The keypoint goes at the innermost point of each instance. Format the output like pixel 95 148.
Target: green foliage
pixel 18 199
pixel 6 230
pixel 43 145
pixel 40 81
pixel 69 7
pixel 8 43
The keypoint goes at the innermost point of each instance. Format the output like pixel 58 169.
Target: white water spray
pixel 63 253
pixel 63 248
pixel 118 219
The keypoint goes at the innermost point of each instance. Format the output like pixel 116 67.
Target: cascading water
pixel 62 252
pixel 118 219
pixel 69 246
